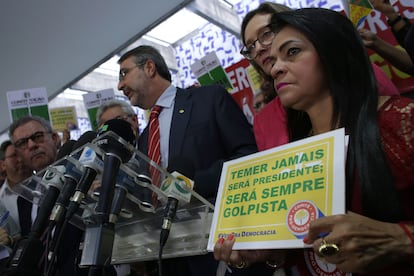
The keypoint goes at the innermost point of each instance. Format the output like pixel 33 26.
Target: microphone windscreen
pixel 84 139
pixel 121 148
pixel 121 127
pixel 182 165
pixel 65 149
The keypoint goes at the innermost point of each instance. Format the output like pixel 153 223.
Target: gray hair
pixel 26 119
pixel 126 107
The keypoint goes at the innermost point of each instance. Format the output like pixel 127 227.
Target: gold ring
pixel 241 265
pixel 328 249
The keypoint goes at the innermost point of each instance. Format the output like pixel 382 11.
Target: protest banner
pixel 64 118
pixel 94 100
pixel 268 199
pixel 28 102
pixel 208 70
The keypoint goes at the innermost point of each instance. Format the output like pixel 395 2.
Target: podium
pixel 138 225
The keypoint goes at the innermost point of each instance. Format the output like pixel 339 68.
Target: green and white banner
pixel 94 100
pixel 32 102
pixel 208 70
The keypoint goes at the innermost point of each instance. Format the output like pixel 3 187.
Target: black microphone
pixel 120 194
pixel 72 174
pixel 117 140
pixel 131 181
pixel 54 177
pixel 183 170
pixel 65 149
pixel 27 253
pixel 85 138
pixel 118 147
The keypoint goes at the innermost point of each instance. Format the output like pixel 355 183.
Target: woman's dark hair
pixel 354 92
pixel 263 8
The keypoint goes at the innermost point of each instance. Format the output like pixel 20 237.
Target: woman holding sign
pixel 325 80
pixel 270 123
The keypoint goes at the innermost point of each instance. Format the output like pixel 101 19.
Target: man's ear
pixel 150 68
pixel 56 139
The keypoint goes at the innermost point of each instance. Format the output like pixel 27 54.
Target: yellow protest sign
pixel 268 199
pixel 63 118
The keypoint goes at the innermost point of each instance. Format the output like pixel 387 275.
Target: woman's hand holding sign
pixel 363 244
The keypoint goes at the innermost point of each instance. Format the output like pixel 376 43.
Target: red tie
pixel 154 152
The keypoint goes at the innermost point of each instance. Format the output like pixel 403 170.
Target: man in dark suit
pixel 203 125
pixel 36 143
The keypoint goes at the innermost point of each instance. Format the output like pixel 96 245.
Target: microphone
pixel 85 138
pixel 117 140
pixel 82 166
pixel 92 164
pixel 72 174
pixel 178 192
pixel 65 149
pixel 118 149
pixel 120 194
pixel 130 181
pixel 27 253
pixel 54 178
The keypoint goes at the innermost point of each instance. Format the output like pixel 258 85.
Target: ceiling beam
pixel 218 13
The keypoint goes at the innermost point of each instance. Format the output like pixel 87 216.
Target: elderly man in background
pixel 117 109
pixel 36 143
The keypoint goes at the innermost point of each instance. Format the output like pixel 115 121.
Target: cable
pixel 160 259
pixel 59 230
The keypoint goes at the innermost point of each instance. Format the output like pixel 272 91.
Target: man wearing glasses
pixel 35 144
pixel 35 141
pixel 202 125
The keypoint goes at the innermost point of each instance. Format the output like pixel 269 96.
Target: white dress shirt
pixel 166 100
pixel 9 200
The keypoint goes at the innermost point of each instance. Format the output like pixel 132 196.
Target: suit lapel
pixel 143 140
pixel 180 119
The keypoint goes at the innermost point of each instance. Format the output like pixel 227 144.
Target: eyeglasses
pixel 265 38
pixel 37 137
pixel 124 72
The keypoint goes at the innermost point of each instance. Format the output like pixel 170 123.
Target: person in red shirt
pixel 323 91
pixel 270 123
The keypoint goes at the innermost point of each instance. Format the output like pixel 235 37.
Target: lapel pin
pixel 181 111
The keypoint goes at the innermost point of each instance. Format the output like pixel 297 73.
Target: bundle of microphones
pixel 108 153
